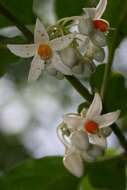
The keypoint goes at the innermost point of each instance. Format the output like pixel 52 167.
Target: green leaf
pixel 108 174
pixel 44 174
pixel 21 9
pixel 116 94
pixel 72 7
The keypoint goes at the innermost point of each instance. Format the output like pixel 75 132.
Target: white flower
pixel 93 123
pixel 92 25
pixel 44 51
pixel 77 149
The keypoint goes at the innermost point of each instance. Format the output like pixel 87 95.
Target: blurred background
pixel 30 113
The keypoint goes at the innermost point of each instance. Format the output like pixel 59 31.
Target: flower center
pixel 91 127
pixel 101 25
pixel 44 51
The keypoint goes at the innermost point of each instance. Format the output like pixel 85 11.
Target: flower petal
pixel 87 157
pixel 89 12
pixel 98 140
pixel 40 34
pixel 73 121
pixel 99 55
pixel 80 140
pixel 100 8
pixel 99 39
pixel 107 119
pixel 24 51
pixel 74 164
pixel 62 42
pixel 36 68
pixel 95 108
pixel 85 25
pixel 95 151
pixel 59 65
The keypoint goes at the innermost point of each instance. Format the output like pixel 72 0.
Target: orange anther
pixel 101 25
pixel 45 51
pixel 91 127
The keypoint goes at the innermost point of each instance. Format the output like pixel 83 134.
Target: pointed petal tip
pixel 74 164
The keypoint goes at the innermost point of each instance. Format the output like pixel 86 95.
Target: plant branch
pixel 115 42
pixel 73 80
pixel 80 88
pixel 6 13
pixel 120 136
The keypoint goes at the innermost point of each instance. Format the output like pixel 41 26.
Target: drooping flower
pixel 44 51
pixel 95 29
pixel 77 149
pixel 92 122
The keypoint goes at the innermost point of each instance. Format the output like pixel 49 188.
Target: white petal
pixel 95 108
pixel 87 157
pixel 99 55
pixel 77 69
pixel 73 121
pixel 59 65
pixel 50 69
pixel 68 56
pixel 95 151
pixel 107 119
pixel 62 42
pixel 74 164
pixel 89 12
pixel 36 68
pixel 85 25
pixel 100 8
pixel 98 140
pixel 80 140
pixel 99 39
pixel 24 51
pixel 40 34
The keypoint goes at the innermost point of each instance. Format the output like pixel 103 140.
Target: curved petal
pixel 95 108
pixel 59 65
pixel 24 51
pixel 85 25
pixel 80 140
pixel 95 151
pixel 87 157
pixel 107 119
pixel 89 12
pixel 36 68
pixel 99 39
pixel 61 42
pixel 74 164
pixel 98 140
pixel 40 34
pixel 100 8
pixel 73 121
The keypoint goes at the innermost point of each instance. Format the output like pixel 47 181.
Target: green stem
pixel 80 88
pixel 115 42
pixel 120 136
pixel 6 13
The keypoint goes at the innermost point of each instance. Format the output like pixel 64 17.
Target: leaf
pixel 20 9
pixel 44 174
pixel 116 94
pixel 72 8
pixel 108 174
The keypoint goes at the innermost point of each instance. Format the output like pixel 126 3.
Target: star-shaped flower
pixel 77 149
pixel 91 24
pixel 92 122
pixel 44 51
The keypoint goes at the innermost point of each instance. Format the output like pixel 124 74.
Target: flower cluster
pixel 66 51
pixel 84 135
